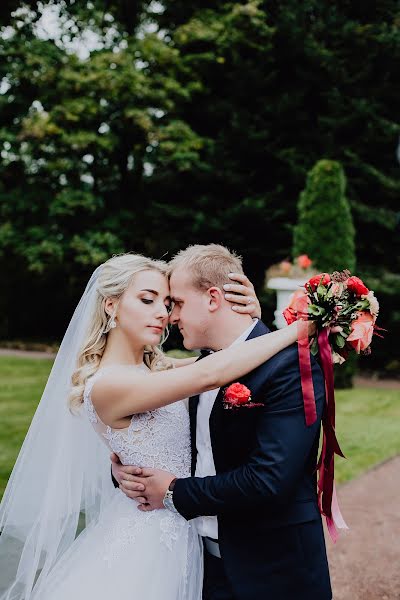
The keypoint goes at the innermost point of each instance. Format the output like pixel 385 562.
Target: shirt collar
pixel 243 336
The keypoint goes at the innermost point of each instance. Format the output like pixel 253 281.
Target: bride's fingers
pixel 236 288
pixel 239 299
pixel 241 278
pixel 141 500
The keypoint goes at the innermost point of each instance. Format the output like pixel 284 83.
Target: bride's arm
pixel 135 392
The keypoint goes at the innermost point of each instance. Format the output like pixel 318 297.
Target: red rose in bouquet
pixel 354 284
pixel 322 278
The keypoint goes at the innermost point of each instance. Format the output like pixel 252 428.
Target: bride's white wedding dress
pixel 126 553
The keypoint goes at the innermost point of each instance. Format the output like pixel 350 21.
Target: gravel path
pixel 26 353
pixel 365 562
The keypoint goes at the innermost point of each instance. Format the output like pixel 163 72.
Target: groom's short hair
pixel 208 264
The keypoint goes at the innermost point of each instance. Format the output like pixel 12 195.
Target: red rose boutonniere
pixel 238 395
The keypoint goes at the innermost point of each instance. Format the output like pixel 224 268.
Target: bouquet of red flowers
pixel 344 305
pixel 345 311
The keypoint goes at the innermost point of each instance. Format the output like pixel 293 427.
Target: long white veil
pixel 62 472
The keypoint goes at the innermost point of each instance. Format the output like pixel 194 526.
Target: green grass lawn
pixel 367 419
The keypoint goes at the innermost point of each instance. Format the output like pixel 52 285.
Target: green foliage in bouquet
pixel 325 229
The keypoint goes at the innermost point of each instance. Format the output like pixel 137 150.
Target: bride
pixel 112 389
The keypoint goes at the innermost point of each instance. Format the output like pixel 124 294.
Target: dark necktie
pixel 206 352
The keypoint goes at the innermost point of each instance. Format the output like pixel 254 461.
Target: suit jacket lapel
pixel 193 403
pixel 218 410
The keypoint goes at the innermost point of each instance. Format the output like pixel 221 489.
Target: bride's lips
pixel 157 329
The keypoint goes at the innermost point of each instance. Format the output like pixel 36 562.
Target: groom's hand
pixel 148 489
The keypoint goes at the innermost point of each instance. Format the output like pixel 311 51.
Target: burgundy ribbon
pixel 327 499
pixel 330 445
pixel 310 409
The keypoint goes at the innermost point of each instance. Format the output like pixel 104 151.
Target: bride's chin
pixel 153 339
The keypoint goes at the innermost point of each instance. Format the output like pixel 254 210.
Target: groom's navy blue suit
pixel 264 493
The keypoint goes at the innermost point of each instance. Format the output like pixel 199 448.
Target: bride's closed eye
pixel 148 301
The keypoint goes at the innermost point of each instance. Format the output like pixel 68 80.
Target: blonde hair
pixel 209 265
pixel 114 279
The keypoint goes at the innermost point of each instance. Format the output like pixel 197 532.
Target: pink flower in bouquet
pixel 314 281
pixel 354 284
pixel 290 313
pixel 362 330
pixel 337 289
pixel 304 261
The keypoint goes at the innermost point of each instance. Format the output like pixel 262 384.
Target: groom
pixel 252 492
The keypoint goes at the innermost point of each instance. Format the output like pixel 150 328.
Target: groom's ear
pixel 215 298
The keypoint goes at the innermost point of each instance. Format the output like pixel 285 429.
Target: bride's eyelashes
pixel 148 301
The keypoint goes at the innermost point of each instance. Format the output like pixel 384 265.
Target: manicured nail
pixel 234 307
pixel 227 286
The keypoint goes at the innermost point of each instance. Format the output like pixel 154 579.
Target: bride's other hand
pixel 240 291
pixel 312 329
pixel 122 472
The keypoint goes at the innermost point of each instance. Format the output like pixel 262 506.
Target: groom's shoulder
pixel 282 359
pixel 287 359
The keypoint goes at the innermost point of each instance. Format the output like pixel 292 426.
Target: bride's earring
pixel 111 324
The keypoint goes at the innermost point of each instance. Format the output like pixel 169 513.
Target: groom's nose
pixel 174 316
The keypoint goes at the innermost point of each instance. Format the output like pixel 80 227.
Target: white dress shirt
pixel 208 526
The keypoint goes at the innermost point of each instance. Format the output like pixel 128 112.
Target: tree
pixel 206 127
pixel 325 232
pixel 325 229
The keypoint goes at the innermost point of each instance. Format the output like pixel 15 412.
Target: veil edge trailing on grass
pixel 63 469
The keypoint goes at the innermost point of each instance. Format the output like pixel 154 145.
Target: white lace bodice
pixel 157 439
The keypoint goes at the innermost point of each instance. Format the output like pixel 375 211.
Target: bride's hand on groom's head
pixel 241 293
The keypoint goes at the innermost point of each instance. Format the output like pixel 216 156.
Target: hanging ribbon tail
pixel 327 498
pixel 307 386
pixel 336 512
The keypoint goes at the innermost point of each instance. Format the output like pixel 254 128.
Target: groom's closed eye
pixel 177 302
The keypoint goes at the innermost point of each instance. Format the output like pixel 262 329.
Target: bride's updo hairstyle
pixel 115 276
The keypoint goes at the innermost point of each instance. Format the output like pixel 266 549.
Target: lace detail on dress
pixel 122 533
pixel 91 413
pixel 158 439
pixel 171 526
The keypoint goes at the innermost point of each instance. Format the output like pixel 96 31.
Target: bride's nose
pixel 162 312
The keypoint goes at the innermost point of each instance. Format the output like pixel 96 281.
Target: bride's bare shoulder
pixel 113 382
